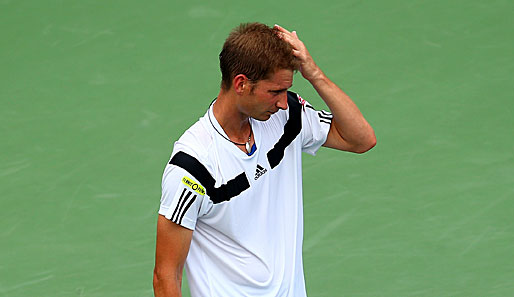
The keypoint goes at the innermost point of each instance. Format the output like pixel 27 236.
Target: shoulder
pixel 294 99
pixel 196 141
pixel 295 104
pixel 195 151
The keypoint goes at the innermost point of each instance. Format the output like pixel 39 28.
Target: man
pixel 231 206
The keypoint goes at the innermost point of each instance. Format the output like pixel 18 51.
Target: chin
pixel 263 118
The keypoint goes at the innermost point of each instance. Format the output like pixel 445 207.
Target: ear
pixel 240 83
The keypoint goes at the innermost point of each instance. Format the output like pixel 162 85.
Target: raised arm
pixel 172 247
pixel 349 130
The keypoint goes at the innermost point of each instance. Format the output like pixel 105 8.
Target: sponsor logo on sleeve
pixel 300 99
pixel 193 185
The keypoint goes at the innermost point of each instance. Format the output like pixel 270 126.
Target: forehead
pixel 282 78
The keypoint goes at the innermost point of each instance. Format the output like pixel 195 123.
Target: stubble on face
pixel 270 95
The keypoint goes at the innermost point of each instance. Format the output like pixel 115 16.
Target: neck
pixel 235 124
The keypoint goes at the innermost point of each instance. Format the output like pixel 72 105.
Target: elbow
pixel 166 283
pixel 366 148
pixel 160 284
pixel 157 281
pixel 366 145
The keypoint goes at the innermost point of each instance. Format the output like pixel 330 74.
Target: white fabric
pixel 252 244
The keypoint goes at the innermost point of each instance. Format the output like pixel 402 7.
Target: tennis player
pixel 231 207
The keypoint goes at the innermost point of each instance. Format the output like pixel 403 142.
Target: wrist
pixel 317 77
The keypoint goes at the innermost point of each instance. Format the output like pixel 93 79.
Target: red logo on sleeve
pixel 300 99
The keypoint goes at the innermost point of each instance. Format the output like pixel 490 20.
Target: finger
pixel 289 39
pixel 283 30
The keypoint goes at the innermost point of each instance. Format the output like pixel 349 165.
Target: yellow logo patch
pixel 196 187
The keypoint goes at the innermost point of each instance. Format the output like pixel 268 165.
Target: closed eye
pixel 277 92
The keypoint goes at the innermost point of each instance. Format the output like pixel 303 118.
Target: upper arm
pixel 172 247
pixel 320 129
pixel 183 197
pixel 336 141
pixel 182 203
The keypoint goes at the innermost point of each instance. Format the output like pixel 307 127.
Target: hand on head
pixel 308 67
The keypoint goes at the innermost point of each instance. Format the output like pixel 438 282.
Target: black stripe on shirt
pixel 321 116
pixel 180 200
pixel 185 209
pixel 180 205
pixel 219 194
pixel 292 128
pixel 328 114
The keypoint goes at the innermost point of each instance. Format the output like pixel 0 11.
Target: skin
pixel 246 99
pixel 349 131
pixel 172 246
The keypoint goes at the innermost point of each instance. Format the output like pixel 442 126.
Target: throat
pixel 245 145
pixel 237 126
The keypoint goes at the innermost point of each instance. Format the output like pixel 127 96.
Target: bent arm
pixel 349 130
pixel 172 247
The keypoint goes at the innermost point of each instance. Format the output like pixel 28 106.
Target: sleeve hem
pixel 186 222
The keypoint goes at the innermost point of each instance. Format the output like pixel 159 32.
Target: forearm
pixel 349 130
pixel 348 121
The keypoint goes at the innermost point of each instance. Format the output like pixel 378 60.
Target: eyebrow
pixel 280 90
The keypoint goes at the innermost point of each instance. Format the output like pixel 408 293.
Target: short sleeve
pixel 183 198
pixel 315 127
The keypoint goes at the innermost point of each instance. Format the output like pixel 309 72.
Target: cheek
pixel 272 98
pixel 266 99
pixel 270 104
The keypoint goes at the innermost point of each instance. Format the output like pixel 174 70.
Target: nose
pixel 282 101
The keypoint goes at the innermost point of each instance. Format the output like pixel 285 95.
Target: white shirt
pixel 246 211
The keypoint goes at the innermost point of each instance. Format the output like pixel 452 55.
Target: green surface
pixel 93 93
